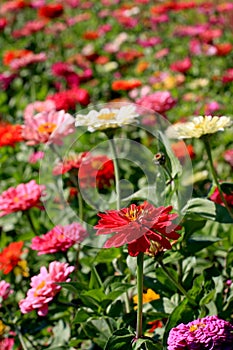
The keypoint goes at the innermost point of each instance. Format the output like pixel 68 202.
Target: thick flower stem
pixel 140 294
pixel 214 173
pixel 116 171
pixel 176 283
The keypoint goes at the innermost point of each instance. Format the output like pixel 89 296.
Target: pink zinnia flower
pixel 48 127
pixel 211 107
pixel 59 239
pixel 31 58
pixel 35 156
pixel 21 197
pixel 159 101
pixel 44 287
pixel 181 66
pixel 6 343
pixel 204 333
pixel 228 156
pixel 37 107
pixel 5 291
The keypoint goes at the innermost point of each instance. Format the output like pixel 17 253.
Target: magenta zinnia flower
pixel 59 239
pixel 21 197
pixel 5 291
pixel 209 333
pixel 48 127
pixel 139 226
pixel 44 287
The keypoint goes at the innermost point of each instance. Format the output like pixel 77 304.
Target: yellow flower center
pixel 133 213
pixel 47 128
pixel 40 286
pixel 16 199
pixel 107 116
pixel 196 326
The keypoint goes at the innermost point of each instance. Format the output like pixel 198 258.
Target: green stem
pixel 140 294
pixel 28 215
pixel 214 173
pixel 176 283
pixel 74 180
pixel 22 341
pixel 116 171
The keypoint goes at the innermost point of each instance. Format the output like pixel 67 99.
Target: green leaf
pixel 208 297
pixel 81 316
pixel 176 168
pixel 197 243
pixel 145 344
pixel 107 255
pixel 199 208
pixel 191 226
pixel 71 286
pixel 95 280
pixel 120 339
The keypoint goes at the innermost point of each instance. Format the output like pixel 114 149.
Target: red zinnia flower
pixel 138 226
pixel 10 256
pixel 10 134
pixel 223 48
pixel 51 11
pixel 96 171
pixel 68 99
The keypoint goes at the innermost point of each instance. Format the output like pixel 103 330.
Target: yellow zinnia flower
pixel 147 297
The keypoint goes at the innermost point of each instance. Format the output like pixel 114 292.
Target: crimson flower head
pixel 139 226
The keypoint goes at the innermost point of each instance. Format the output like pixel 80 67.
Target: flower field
pixel 116 191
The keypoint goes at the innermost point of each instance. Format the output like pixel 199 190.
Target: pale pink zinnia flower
pixel 5 291
pixel 48 127
pixel 59 239
pixel 44 287
pixel 37 107
pixel 21 197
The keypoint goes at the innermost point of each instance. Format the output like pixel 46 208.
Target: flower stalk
pixel 116 171
pixel 214 173
pixel 140 259
pixel 176 283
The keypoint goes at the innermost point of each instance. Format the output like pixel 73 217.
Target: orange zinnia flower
pixel 125 84
pixel 10 257
pixel 10 134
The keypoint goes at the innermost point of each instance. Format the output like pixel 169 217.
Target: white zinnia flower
pixel 107 118
pixel 198 127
